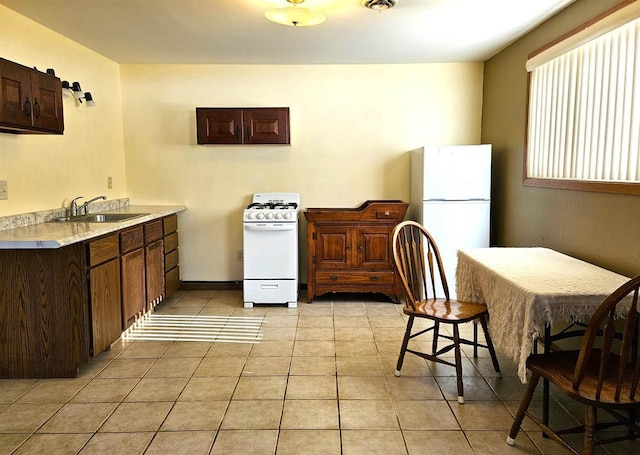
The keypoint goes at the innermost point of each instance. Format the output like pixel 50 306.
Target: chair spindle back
pixel 619 360
pixel 418 262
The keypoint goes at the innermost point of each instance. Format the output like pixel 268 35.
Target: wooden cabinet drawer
pixel 170 224
pixel 171 242
pixel 172 281
pixel 131 239
pixel 388 214
pixel 103 249
pixel 354 278
pixel 152 231
pixel 171 260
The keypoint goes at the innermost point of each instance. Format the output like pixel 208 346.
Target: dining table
pixel 532 293
pixel 529 291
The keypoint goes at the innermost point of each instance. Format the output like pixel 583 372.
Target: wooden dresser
pixel 349 250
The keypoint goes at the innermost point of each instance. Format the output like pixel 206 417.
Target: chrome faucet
pixel 82 210
pixel 73 208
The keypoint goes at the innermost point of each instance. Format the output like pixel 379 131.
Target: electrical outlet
pixel 109 183
pixel 239 255
pixel 3 190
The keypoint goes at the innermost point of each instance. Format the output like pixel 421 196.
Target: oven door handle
pixel 270 227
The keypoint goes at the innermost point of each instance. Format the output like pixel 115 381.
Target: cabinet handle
pixel 36 107
pixel 373 278
pixel 334 277
pixel 27 107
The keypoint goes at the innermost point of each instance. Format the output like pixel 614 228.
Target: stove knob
pixel 251 215
pixel 260 216
pixel 269 216
pixel 278 216
pixel 287 216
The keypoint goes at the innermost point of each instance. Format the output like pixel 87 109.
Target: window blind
pixel 584 108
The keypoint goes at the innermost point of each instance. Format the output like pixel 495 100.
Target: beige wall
pixel 351 128
pixel 46 171
pixel 600 228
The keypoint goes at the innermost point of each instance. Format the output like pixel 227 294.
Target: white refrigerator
pixel 451 198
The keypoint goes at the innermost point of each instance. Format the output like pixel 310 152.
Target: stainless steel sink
pixel 100 218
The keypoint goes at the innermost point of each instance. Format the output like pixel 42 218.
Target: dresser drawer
pixel 152 231
pixel 171 242
pixel 354 278
pixel 103 249
pixel 131 239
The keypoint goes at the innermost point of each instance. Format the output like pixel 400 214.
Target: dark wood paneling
pixel 43 313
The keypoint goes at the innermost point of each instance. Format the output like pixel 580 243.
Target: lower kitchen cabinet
pixel 154 259
pixel 133 286
pixel 133 274
pixel 104 292
pixel 44 312
pixel 106 319
pixel 171 255
pixel 60 306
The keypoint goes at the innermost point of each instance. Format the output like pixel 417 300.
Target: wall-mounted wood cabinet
pixel 30 100
pixel 349 250
pixel 242 125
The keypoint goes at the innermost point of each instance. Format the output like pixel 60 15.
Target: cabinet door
pixel 15 94
pixel 219 126
pixel 266 126
pixel 374 248
pixel 106 316
pixel 47 102
pixel 333 247
pixel 133 285
pixel 154 258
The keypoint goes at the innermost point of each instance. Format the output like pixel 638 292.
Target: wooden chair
pixel 603 374
pixel 419 266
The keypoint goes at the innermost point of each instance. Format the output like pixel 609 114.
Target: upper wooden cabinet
pixel 30 100
pixel 269 125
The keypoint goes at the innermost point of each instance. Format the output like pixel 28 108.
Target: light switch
pixel 3 190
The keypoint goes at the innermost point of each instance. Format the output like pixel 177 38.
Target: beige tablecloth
pixel 526 288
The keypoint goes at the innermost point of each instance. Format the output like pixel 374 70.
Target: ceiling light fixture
pixel 379 5
pixel 295 16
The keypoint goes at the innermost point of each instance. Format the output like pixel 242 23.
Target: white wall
pixel 46 171
pixel 351 129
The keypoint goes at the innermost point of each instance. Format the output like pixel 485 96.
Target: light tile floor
pixel 206 376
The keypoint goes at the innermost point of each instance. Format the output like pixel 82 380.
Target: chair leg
pixel 589 426
pixel 475 340
pixel 405 343
pixel 456 342
pixel 492 351
pixel 524 405
pixel 436 333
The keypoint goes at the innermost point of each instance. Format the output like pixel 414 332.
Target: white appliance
pixel 451 198
pixel 270 244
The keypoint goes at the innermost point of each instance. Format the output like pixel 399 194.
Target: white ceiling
pixel 236 31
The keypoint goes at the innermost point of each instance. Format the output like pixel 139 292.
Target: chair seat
pixel 559 368
pixel 448 310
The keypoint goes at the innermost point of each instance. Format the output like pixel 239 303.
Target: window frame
pixel 600 186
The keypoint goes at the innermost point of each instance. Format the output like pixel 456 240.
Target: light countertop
pixel 59 234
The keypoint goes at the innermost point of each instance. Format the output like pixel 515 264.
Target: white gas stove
pixel 270 240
